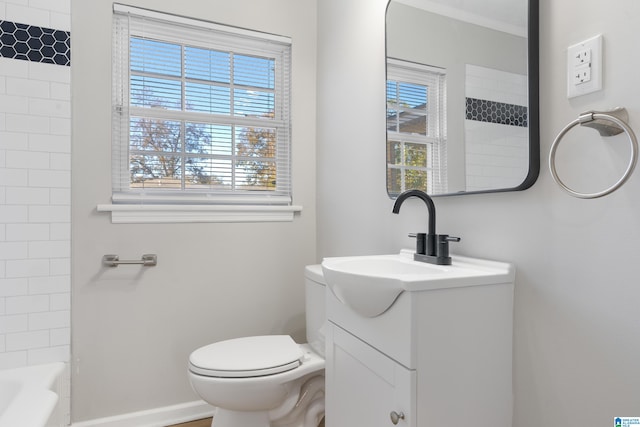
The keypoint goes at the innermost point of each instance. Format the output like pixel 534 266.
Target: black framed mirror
pixel 462 96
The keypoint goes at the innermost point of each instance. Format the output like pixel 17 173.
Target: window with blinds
pixel 200 112
pixel 416 128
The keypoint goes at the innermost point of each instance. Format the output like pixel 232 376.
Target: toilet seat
pixel 247 357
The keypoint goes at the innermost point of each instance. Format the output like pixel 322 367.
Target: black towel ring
pixel 608 123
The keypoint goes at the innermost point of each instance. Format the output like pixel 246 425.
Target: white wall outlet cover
pixel 584 67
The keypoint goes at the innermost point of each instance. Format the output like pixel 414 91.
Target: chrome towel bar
pixel 608 123
pixel 147 260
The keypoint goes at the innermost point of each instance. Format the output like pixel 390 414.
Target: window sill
pixel 156 214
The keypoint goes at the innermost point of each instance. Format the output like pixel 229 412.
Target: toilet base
pixel 308 411
pixel 226 418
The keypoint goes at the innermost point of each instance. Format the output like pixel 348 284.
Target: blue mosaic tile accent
pixel 497 112
pixel 37 44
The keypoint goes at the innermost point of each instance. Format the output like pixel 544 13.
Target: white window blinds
pixel 200 112
pixel 416 128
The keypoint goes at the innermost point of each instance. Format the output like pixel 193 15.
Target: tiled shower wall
pixel 35 141
pixel 496 128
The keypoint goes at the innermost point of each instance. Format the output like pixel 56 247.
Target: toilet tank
pixel 316 314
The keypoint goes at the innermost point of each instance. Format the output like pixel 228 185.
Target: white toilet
pixel 267 381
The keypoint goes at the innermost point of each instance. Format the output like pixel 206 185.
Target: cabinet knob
pixel 395 417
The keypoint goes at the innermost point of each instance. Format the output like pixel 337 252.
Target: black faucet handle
pixel 442 249
pixel 421 242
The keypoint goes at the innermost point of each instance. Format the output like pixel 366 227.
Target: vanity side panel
pixel 465 347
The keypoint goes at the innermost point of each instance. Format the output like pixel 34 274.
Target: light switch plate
pixel 586 54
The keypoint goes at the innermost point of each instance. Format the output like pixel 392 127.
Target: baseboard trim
pixel 158 417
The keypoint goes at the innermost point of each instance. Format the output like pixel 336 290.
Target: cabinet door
pixel 364 387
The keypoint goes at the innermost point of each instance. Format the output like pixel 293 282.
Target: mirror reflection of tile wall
pixel 496 128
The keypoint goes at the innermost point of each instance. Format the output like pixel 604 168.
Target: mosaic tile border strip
pixel 33 43
pixel 496 112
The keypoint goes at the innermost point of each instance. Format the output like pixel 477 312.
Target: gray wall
pixel 577 292
pixel 133 328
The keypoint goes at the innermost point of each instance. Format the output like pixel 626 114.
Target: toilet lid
pixel 246 357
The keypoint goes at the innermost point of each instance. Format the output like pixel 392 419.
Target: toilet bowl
pixel 270 380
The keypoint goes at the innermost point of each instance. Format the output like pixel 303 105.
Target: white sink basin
pixel 369 285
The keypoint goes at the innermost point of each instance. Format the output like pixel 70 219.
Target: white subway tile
pixel 60 91
pixel 49 72
pixel 62 6
pixel 13 287
pixel 49 107
pixel 22 2
pixel 26 196
pixel 27 123
pixel 60 301
pixel 28 87
pixel 27 304
pixel 12 67
pixel 60 231
pixel 50 143
pixel 50 249
pixel 49 285
pixel 60 196
pixel 14 141
pixel 61 21
pixel 14 104
pixel 35 213
pixel 14 177
pixel 27 15
pixel 49 178
pixel 32 268
pixel 27 232
pixel 60 336
pixel 60 161
pixel 49 213
pixel 16 359
pixel 49 320
pixel 27 340
pixel 60 126
pixel 14 250
pixel 17 214
pixel 60 267
pixel 27 159
pixel 12 324
pixel 49 355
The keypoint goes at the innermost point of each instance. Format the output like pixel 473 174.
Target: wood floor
pixel 207 423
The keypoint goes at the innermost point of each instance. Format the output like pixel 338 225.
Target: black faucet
pixel 430 247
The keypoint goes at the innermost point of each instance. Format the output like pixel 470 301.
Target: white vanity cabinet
pixel 367 386
pixel 436 357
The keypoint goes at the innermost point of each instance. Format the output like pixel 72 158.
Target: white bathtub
pixel 29 395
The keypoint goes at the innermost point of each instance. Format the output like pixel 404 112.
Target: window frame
pixel 144 205
pixel 435 138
